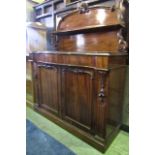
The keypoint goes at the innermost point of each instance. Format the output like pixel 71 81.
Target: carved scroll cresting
pixel 83 7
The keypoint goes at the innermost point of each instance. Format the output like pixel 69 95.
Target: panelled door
pixel 47 83
pixel 77 97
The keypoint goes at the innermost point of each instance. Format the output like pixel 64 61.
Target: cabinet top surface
pixel 104 53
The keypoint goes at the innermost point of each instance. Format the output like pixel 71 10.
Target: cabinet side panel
pixel 115 97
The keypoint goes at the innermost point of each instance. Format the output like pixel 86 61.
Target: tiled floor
pixel 118 147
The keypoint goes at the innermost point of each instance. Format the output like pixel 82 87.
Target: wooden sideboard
pixel 81 92
pixel 80 85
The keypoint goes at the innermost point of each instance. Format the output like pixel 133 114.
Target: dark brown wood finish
pixel 95 16
pixel 98 27
pixel 88 97
pixel 116 83
pixel 77 93
pixel 47 79
pixel 99 41
pixel 95 60
pixel 80 86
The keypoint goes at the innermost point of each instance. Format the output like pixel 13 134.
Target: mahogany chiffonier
pixel 80 85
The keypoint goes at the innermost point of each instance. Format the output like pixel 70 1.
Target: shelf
pixel 88 29
pixel 43 15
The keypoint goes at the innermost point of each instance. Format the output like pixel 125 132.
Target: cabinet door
pixel 48 88
pixel 77 97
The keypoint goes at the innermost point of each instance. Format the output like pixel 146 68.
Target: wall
pixel 39 1
pixel 30 15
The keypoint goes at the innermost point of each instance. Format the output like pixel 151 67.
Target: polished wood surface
pixel 93 60
pixel 88 97
pixel 80 85
pixel 98 29
pixel 47 79
pixel 95 16
pixel 99 41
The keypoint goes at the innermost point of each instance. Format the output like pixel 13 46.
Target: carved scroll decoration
pixel 47 66
pixel 101 93
pixel 83 7
pixel 78 71
pixel 122 7
pixel 121 42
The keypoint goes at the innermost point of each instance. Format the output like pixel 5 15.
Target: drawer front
pixel 70 59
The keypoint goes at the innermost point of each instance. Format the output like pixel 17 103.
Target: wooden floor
pixel 120 145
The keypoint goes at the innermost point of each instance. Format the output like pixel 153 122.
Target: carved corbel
pixel 122 7
pixel 122 44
